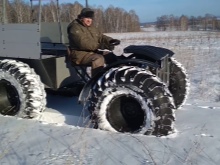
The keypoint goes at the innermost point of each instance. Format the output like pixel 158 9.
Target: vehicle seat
pixel 81 69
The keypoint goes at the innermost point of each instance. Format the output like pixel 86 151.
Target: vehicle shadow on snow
pixel 66 110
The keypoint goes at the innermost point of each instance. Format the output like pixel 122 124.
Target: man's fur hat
pixel 86 13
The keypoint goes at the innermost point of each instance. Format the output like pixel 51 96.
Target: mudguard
pixel 147 52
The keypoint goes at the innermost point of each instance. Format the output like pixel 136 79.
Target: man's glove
pixel 114 42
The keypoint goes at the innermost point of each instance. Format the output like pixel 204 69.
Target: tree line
pixel 112 19
pixel 184 23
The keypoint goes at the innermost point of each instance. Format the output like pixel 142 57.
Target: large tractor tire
pixel 132 100
pixel 21 91
pixel 179 83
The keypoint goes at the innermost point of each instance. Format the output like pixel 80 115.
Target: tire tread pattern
pixel 179 83
pixel 155 92
pixel 31 89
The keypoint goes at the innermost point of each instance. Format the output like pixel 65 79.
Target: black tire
pixel 132 100
pixel 179 83
pixel 21 91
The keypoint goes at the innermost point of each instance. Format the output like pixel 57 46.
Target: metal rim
pixel 125 114
pixel 9 98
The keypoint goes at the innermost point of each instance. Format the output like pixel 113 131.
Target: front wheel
pixel 132 100
pixel 21 91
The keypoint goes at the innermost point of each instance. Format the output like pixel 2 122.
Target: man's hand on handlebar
pixel 114 42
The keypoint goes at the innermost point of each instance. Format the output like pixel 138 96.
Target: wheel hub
pixel 125 114
pixel 130 109
pixel 9 98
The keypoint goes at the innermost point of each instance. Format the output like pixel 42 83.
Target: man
pixel 85 40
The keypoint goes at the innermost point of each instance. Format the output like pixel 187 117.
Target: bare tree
pixel 20 9
pixel 192 23
pixel 162 23
pixel 184 23
pixel 70 11
pixel 109 22
pixel 134 21
pixel 99 20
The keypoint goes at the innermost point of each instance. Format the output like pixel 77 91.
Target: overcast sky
pixel 149 10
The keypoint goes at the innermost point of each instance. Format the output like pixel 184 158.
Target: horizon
pixel 148 11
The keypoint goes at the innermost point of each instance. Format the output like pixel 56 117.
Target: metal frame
pixel 82 73
pixel 164 71
pixel 4 11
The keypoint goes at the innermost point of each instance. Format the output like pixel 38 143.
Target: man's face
pixel 87 21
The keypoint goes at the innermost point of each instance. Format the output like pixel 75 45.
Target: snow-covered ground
pixel 198 51
pixel 62 137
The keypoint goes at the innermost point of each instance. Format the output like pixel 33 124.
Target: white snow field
pixel 60 136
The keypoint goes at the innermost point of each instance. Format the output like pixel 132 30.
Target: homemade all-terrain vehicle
pixel 137 94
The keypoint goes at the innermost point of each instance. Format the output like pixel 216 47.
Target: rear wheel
pixel 179 83
pixel 130 99
pixel 21 91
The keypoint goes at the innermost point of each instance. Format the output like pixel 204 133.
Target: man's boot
pixel 96 70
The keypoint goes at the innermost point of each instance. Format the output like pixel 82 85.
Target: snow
pixel 62 134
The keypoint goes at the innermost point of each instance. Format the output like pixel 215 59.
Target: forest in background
pixel 110 20
pixel 208 22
